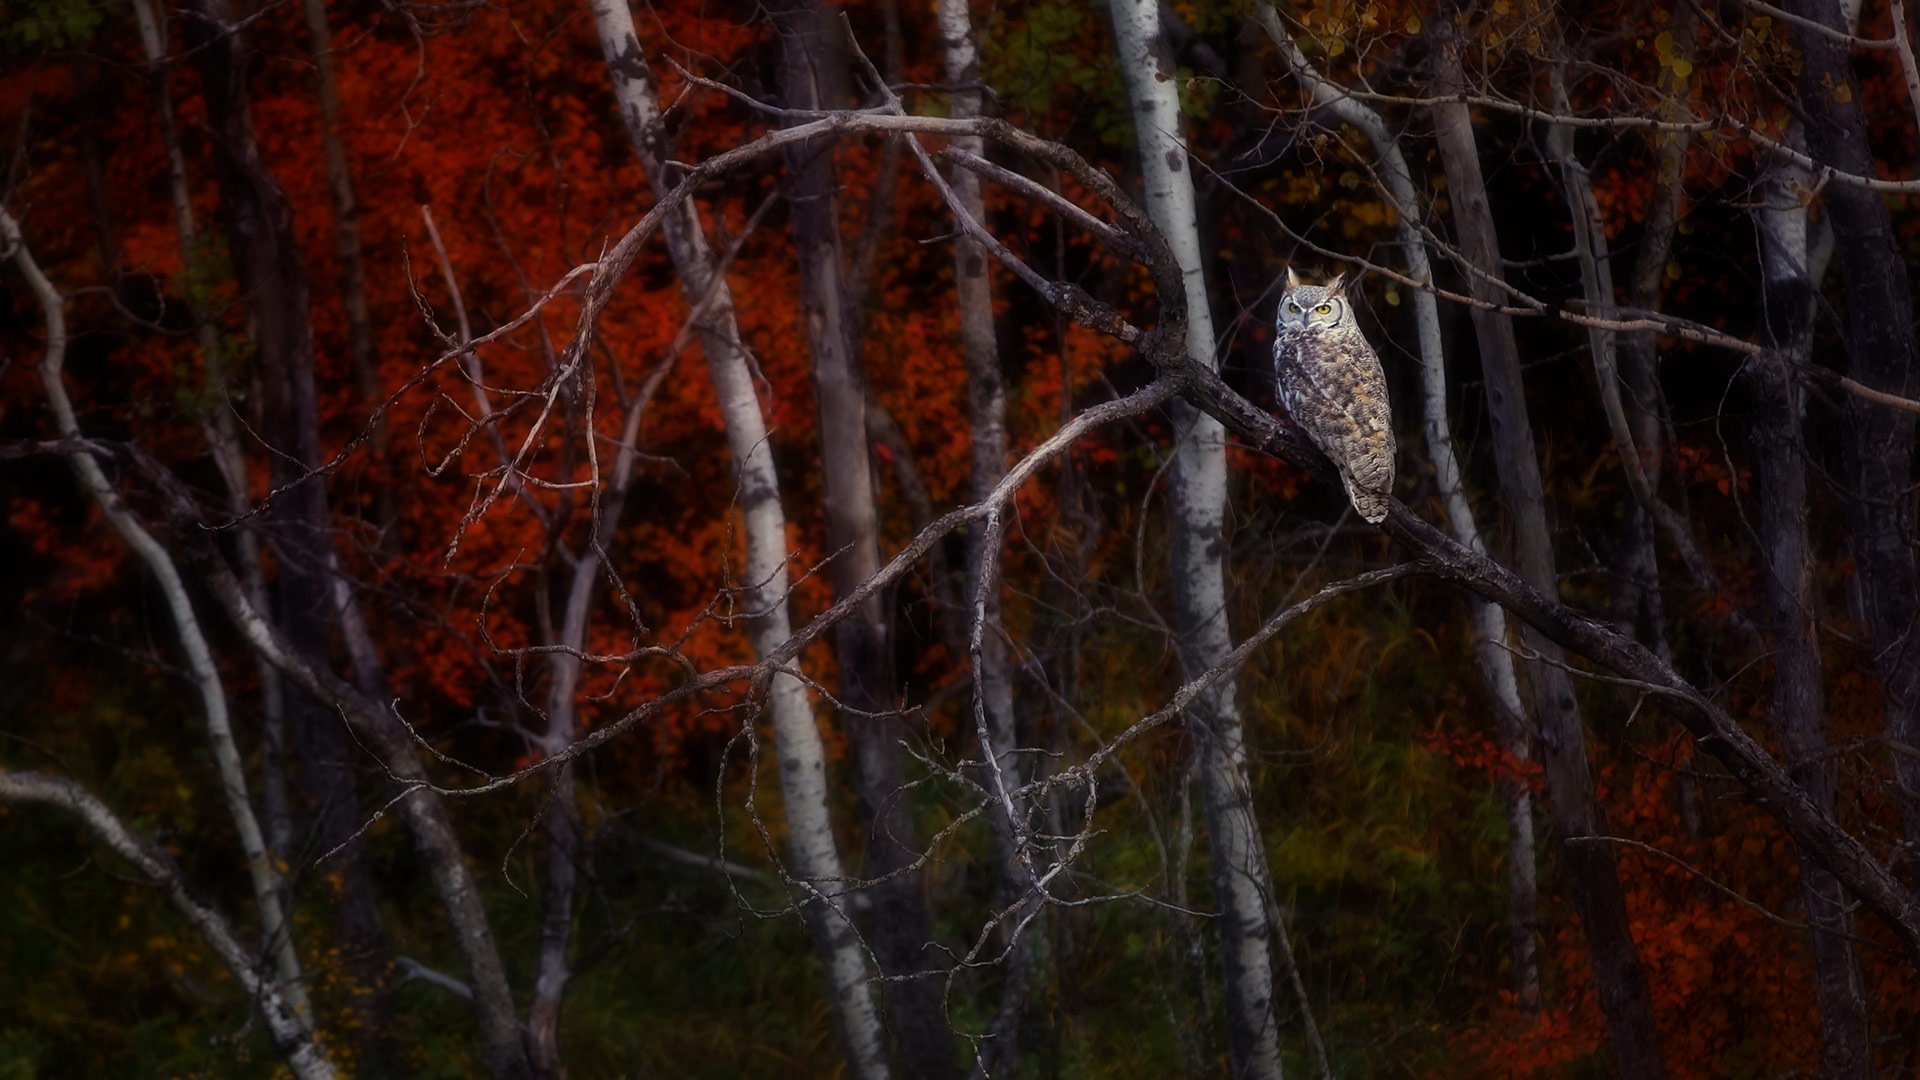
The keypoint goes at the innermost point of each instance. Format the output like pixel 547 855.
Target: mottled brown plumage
pixel 1331 384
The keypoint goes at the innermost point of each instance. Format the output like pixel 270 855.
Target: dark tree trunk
pixel 93 167
pixel 258 219
pixel 1799 707
pixel 1877 446
pixel 272 272
pixel 1592 876
pixel 365 954
pixel 1638 598
pixel 813 74
pixel 346 229
pixel 562 880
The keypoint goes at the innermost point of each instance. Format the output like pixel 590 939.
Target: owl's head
pixel 1314 306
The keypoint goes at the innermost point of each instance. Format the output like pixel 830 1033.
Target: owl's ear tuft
pixel 1293 279
pixel 1338 286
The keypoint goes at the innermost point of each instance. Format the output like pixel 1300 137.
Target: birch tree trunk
pixel 292 1039
pixel 802 757
pixel 271 268
pixel 1878 441
pixel 1638 594
pixel 273 276
pixel 987 416
pixel 262 871
pixel 221 432
pixel 1489 622
pixel 1592 875
pixel 553 970
pixel 425 812
pixel 1639 358
pixel 813 74
pixel 1199 489
pixel 1799 708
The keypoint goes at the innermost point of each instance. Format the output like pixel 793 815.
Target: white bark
pixel 1798 713
pixel 424 809
pixel 261 869
pixel 802 757
pixel 292 1037
pixel 987 414
pixel 986 392
pixel 1199 483
pixel 1495 662
pixel 553 971
pixel 218 425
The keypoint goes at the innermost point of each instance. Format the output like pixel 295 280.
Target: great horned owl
pixel 1331 383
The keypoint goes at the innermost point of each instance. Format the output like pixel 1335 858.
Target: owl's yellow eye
pixel 1291 306
pixel 1324 308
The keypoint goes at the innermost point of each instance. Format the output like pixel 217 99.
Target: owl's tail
pixel 1372 505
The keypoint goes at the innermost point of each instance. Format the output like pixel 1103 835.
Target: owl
pixel 1331 384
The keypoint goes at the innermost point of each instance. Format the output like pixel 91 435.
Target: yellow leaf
pixel 1413 24
pixel 1663 44
pixel 1673 271
pixel 1681 69
pixel 1762 22
pixel 1843 93
pixel 1393 297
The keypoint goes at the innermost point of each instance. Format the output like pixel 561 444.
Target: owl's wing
pixel 1350 417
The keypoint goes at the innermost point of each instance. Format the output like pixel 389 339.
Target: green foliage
pixel 1042 57
pixel 41 26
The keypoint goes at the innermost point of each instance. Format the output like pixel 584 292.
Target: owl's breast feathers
pixel 1333 387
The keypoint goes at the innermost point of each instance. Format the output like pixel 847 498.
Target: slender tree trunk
pixel 273 276
pixel 803 770
pixel 1878 441
pixel 553 971
pixel 1489 623
pixel 272 272
pixel 346 227
pixel 987 416
pixel 813 75
pixel 263 872
pixel 365 954
pixel 1799 708
pixel 346 209
pixel 1199 488
pixel 1592 876
pixel 295 1044
pixel 93 167
pixel 425 812
pixel 1637 593
pixel 1639 359
pixel 221 432
pixel 986 390
pixel 565 845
